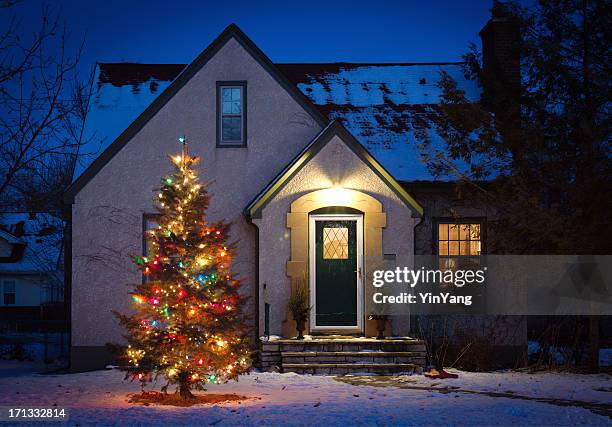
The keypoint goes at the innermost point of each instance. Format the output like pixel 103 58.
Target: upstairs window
pixel 231 114
pixel 9 292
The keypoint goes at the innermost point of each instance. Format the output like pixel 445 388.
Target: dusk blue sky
pixel 313 31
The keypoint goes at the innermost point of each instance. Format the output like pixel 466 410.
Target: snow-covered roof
pixel 42 235
pixel 381 104
pixel 121 92
pixel 9 237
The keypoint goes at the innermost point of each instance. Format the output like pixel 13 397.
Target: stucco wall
pixel 334 165
pixel 107 213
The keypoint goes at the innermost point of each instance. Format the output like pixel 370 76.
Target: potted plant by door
pixel 381 323
pixel 298 305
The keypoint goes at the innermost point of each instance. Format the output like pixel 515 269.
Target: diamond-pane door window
pixel 335 243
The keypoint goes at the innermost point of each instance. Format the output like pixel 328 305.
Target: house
pixel 30 260
pixel 312 164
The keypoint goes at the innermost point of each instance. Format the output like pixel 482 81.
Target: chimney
pixel 501 55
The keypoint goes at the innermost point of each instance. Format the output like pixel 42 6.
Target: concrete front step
pixel 342 355
pixel 414 357
pixel 349 368
pixel 320 345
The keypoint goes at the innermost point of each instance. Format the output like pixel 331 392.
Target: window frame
pixel 461 261
pixel 219 107
pixel 147 218
pixel 5 293
pixel 466 220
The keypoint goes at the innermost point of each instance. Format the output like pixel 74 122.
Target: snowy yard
pixel 291 399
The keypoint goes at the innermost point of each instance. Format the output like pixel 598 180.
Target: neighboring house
pixel 312 163
pixel 31 269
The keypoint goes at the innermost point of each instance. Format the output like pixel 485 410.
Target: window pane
pixel 9 292
pixel 443 231
pixel 335 243
pixel 443 249
pixel 475 247
pixel 9 286
pixel 150 224
pixel 231 94
pixel 231 107
pixel 231 101
pixel 453 231
pixel 464 247
pixel 232 128
pixel 226 94
pixel 464 231
pixel 453 248
pixel 475 231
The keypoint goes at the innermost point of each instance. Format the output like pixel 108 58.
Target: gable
pixel 334 129
pixel 232 32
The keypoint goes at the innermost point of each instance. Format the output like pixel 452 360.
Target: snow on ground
pixel 552 385
pixel 560 354
pixel 33 345
pixel 291 399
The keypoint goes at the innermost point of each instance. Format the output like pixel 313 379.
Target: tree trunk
pixel 185 390
pixel 593 365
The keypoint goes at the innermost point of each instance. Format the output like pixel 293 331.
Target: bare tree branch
pixel 43 106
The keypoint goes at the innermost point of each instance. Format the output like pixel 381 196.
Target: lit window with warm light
pixel 459 239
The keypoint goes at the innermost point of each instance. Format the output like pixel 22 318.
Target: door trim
pixel 312 271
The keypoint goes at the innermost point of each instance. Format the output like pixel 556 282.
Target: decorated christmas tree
pixel 187 324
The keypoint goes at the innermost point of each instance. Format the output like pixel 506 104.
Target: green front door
pixel 335 257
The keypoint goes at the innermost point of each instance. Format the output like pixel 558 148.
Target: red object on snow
pixel 441 374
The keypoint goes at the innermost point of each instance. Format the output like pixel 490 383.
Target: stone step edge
pixel 341 341
pixel 351 353
pixel 347 365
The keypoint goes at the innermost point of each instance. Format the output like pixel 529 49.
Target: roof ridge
pixel 374 63
pixel 138 63
pixel 298 63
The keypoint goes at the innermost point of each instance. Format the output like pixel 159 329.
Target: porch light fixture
pixel 338 195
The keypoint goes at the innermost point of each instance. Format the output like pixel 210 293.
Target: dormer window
pixel 231 114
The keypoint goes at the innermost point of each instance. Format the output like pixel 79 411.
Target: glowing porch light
pixel 337 196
